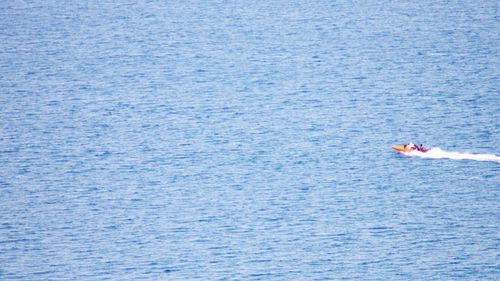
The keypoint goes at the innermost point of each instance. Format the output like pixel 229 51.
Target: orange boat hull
pixel 401 148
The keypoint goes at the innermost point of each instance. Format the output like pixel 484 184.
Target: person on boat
pixel 423 149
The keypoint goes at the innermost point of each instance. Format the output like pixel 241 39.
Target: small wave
pixel 437 153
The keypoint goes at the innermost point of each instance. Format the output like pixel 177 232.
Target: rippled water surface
pixel 248 140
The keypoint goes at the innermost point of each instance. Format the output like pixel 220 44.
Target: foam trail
pixel 437 153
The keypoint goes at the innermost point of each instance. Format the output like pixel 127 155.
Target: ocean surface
pixel 249 140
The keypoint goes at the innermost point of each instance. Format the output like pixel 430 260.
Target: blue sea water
pixel 248 140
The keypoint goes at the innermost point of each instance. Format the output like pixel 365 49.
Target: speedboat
pixel 409 148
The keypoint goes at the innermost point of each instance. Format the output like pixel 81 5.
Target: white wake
pixel 437 153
